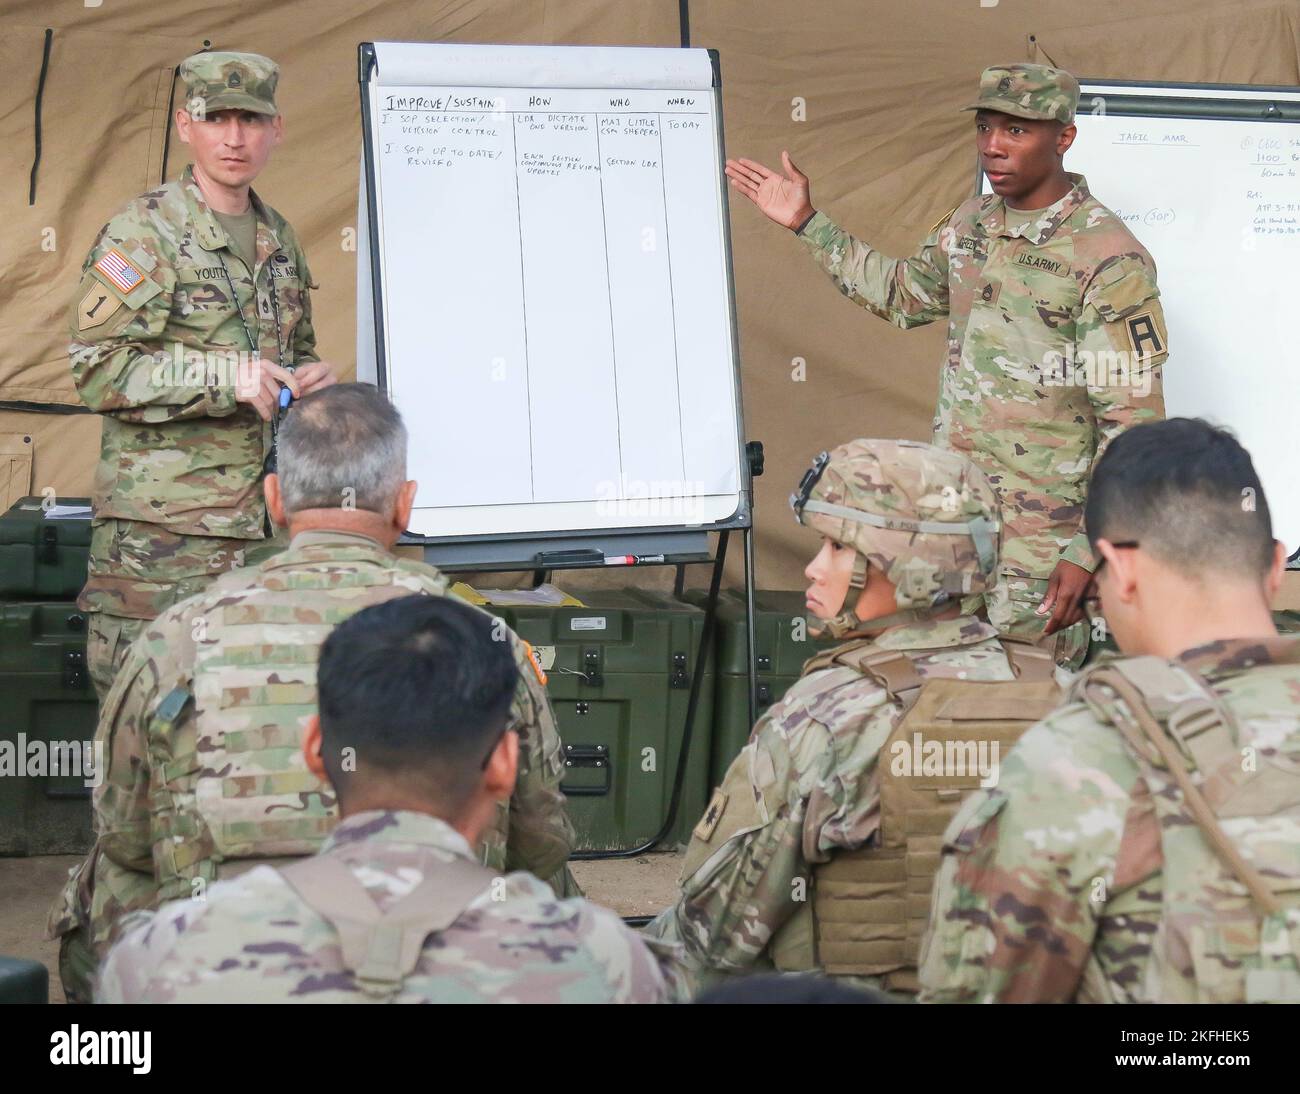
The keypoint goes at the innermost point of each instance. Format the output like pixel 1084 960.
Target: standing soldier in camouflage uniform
pixel 1055 330
pixel 192 314
pixel 817 850
pixel 203 773
pixel 414 738
pixel 1143 842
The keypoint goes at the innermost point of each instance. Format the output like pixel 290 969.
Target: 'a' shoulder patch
pixel 120 272
pixel 1145 336
pixel 709 822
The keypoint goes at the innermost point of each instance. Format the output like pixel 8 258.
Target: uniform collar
pixel 208 230
pixel 1235 655
pixel 931 634
pixel 324 537
pixel 398 826
pixel 994 217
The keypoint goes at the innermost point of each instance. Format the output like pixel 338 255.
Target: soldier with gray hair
pixel 347 452
pixel 393 909
pixel 204 775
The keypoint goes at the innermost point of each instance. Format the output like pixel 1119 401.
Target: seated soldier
pixel 1143 842
pixel 414 736
pixel 817 850
pixel 200 732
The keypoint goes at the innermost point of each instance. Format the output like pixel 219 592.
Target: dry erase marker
pixel 286 395
pixel 631 560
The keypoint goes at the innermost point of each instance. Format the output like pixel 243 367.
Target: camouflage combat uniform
pixel 806 789
pixel 255 939
pixel 1032 387
pixel 1081 877
pixel 155 339
pixel 201 737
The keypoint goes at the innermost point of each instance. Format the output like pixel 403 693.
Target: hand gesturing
pixel 782 198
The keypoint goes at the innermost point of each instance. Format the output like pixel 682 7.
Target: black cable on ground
pixel 683 755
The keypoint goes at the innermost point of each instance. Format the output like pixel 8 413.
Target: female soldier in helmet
pixel 817 851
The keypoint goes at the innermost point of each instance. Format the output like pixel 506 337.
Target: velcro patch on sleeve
pixel 709 822
pixel 119 271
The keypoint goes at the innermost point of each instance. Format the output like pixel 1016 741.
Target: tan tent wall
pixel 883 139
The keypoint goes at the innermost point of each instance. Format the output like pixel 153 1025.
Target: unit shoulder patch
pixel 1145 337
pixel 96 307
pixel 539 670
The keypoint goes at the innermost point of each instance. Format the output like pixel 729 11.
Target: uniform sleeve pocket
pixel 1120 290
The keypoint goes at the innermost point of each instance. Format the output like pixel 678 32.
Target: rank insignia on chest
pixel 119 270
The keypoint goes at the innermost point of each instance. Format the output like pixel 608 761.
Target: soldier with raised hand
pixel 192 316
pixel 415 739
pixel 1055 330
pixel 1142 843
pixel 203 774
pixel 813 852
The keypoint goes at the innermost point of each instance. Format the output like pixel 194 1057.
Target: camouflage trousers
pixel 138 570
pixel 77 966
pixel 1013 607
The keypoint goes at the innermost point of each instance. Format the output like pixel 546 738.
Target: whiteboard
pixel 1217 203
pixel 557 312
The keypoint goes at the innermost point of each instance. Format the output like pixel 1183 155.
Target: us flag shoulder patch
pixel 120 271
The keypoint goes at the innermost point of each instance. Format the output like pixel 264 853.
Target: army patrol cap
pixel 1028 91
pixel 926 516
pixel 230 81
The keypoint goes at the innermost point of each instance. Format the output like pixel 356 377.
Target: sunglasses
pixel 1092 601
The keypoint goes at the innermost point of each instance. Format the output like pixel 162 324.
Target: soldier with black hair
pixel 1143 842
pixel 415 737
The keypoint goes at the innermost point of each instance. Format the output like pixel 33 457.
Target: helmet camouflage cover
pixel 926 516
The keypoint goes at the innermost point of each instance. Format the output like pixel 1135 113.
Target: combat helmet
pixel 926 516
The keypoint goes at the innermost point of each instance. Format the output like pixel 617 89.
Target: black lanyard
pixel 253 345
pixel 271 458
